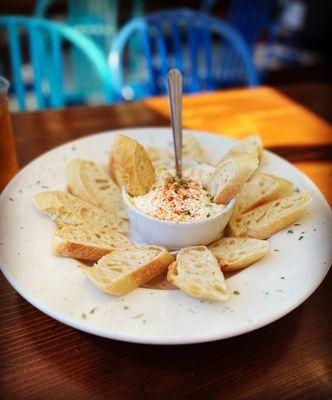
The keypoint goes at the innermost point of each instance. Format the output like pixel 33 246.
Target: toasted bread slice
pixel 134 166
pixel 113 171
pixel 270 218
pixel 237 253
pixel 261 189
pixel 157 154
pixel 87 243
pixel 250 144
pixel 230 176
pixel 192 149
pixel 90 182
pixel 66 209
pixel 197 273
pixel 123 270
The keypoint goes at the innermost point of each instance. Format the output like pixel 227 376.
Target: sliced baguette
pixel 237 253
pixel 87 243
pixel 270 218
pixel 230 176
pixel 261 189
pixel 192 149
pixel 157 154
pixel 90 182
pixel 250 144
pixel 124 270
pixel 197 273
pixel 66 209
pixel 133 165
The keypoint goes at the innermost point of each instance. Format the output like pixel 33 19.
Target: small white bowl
pixel 176 235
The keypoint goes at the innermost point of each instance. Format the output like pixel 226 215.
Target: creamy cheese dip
pixel 178 199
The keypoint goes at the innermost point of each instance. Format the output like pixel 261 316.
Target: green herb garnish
pixel 290 231
pixel 236 292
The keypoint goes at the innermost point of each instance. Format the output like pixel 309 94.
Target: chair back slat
pixel 176 42
pixel 57 63
pixel 193 41
pixel 250 17
pixel 144 36
pixel 37 65
pixel 206 40
pixel 16 63
pixel 163 65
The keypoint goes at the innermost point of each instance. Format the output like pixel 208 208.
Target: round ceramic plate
pixel 294 267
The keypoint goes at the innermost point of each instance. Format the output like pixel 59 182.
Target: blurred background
pixel 59 53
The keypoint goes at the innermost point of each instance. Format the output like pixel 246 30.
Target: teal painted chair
pixel 46 55
pixel 99 20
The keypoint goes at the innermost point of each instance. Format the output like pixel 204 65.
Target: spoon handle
pixel 174 79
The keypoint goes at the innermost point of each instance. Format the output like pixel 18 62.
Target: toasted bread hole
pixel 97 235
pixel 105 187
pixel 101 180
pixel 84 212
pixel 277 204
pixel 116 269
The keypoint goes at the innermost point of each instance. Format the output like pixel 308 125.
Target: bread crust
pixel 64 243
pixel 62 248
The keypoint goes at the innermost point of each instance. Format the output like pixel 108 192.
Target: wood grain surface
pixel 289 359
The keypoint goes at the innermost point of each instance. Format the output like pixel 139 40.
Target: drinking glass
pixel 8 160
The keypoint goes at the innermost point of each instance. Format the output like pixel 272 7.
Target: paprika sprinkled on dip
pixel 179 199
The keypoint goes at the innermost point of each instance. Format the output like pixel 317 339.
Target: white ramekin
pixel 176 235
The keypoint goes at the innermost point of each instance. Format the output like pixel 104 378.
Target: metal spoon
pixel 174 79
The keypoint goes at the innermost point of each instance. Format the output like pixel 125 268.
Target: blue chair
pixel 250 18
pixel 191 41
pixel 45 40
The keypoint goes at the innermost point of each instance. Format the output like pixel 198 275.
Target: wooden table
pixel 291 358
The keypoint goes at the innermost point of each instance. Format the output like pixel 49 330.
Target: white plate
pixel 267 290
